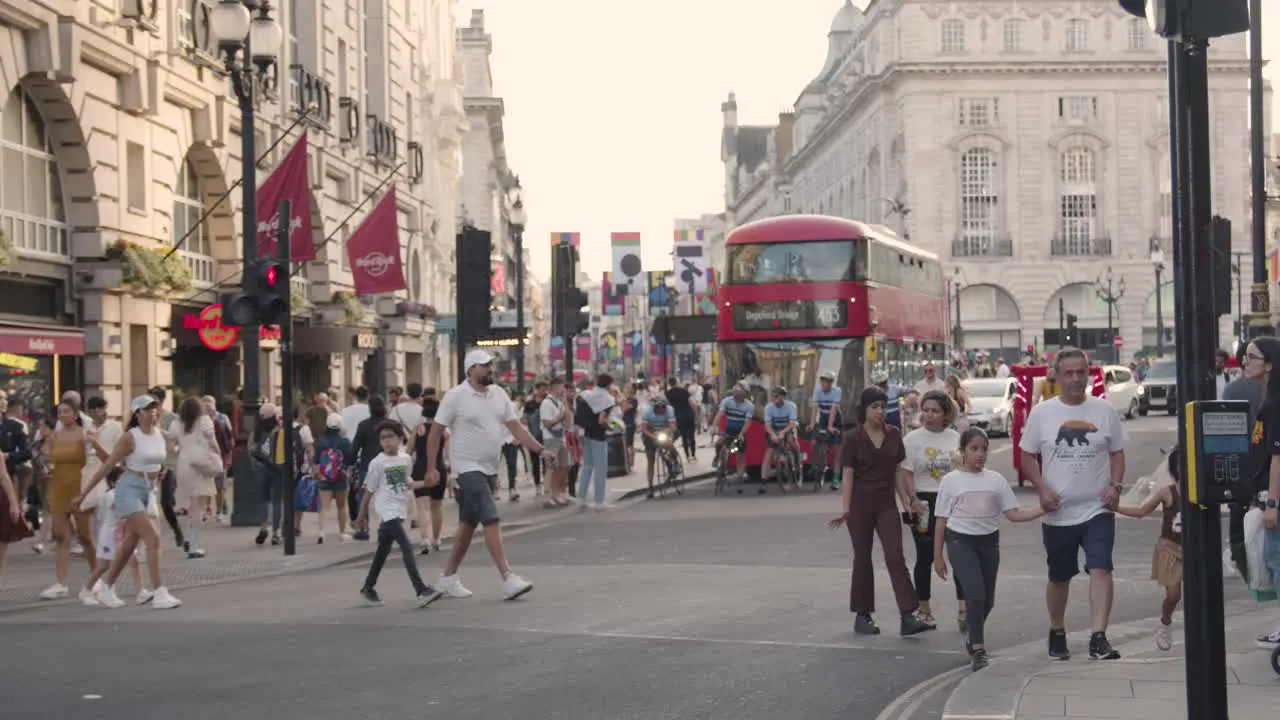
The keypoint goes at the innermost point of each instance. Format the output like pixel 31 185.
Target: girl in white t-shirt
pixel 970 503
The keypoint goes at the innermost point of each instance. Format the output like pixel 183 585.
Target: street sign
pixel 1119 341
pixel 502 318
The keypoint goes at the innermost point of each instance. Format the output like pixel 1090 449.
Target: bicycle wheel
pixel 784 471
pixel 660 474
pixel 818 465
pixel 675 471
pixel 722 473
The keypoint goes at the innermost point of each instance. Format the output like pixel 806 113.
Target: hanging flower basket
pixel 353 310
pixel 299 305
pixel 7 254
pixel 147 271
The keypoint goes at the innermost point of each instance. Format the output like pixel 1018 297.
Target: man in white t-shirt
pixel 930 381
pixel 355 413
pixel 479 415
pixel 1073 452
pixel 557 419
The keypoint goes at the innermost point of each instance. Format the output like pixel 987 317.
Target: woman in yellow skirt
pixel 67 454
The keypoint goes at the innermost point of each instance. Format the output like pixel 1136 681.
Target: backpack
pixel 533 419
pixel 329 465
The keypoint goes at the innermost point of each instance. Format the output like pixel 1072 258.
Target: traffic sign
pixel 1119 341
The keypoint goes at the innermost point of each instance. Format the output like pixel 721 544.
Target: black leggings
pixel 975 562
pixel 688 429
pixel 392 531
pixel 537 471
pixel 168 498
pixel 922 573
pixel 512 453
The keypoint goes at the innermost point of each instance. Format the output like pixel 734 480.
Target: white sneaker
pixel 452 587
pixel 514 586
pixel 1164 637
pixel 54 592
pixel 107 597
pixel 435 546
pixel 343 538
pixel 162 600
pixel 1269 642
pixel 87 597
pixel 77 551
pixel 145 596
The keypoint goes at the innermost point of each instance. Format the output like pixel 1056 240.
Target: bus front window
pixel 795 365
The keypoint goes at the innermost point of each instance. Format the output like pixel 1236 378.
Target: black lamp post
pixel 957 333
pixel 1157 261
pixel 249 38
pixel 516 218
pixel 1110 291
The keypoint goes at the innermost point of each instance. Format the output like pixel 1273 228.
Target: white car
pixel 1123 391
pixel 991 404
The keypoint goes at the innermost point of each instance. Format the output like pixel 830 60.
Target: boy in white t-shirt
pixel 110 535
pixel 388 483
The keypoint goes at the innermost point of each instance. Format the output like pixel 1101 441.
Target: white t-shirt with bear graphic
pixel 1075 443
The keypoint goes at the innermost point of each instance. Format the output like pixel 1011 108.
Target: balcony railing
pixel 980 247
pixel 36 236
pixel 1080 247
pixel 203 268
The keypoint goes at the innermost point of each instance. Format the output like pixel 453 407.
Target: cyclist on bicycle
pixel 826 416
pixel 781 419
pixel 657 417
pixel 737 412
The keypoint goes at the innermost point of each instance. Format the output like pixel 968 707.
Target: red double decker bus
pixel 806 294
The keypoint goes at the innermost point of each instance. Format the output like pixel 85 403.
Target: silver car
pixel 991 404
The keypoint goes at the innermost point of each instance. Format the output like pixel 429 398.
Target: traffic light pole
pixel 1259 296
pixel 288 476
pixel 1197 326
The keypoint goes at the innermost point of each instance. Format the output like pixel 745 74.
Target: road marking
pixel 1001 449
pixel 907 703
pixel 714 641
pixel 946 716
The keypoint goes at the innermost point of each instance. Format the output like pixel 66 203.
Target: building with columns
pixel 1026 143
pixel 119 134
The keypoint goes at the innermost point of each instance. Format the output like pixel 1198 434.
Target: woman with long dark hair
pixel 872 452
pixel 199 462
pixel 142 451
pixel 1262 362
pixel 68 444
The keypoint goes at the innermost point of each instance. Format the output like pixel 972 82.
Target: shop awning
pixel 41 340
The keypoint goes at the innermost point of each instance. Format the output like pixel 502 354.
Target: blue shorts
pixel 133 494
pixel 1063 543
pixel 475 499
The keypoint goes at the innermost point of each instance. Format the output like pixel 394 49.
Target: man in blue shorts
pixel 826 416
pixel 737 412
pixel 780 422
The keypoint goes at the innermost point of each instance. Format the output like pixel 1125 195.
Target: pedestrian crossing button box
pixel 1217 437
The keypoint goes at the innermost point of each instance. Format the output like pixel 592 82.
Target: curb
pixel 994 693
pixel 691 479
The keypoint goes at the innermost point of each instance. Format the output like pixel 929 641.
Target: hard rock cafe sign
pixel 216 336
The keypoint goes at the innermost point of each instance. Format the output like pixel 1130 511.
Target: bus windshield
pixel 795 365
pixel 793 262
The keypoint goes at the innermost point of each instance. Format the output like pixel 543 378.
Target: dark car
pixel 1159 389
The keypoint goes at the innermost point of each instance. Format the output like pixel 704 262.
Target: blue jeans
pixel 272 494
pixel 1273 556
pixel 595 464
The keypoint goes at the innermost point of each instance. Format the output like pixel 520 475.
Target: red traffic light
pixel 271 275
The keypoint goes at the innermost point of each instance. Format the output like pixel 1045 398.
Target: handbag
pixel 306 496
pixel 208 461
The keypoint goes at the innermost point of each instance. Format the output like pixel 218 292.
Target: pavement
pixel 232 554
pixel 697 606
pixel 1145 684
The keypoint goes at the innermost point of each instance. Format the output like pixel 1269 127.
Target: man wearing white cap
pixel 478 416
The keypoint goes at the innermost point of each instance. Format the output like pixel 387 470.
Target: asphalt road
pixel 693 607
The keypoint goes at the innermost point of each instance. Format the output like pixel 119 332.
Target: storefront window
pixel 29 379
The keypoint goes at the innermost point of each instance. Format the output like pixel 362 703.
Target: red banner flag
pixel 289 182
pixel 583 348
pixel 374 250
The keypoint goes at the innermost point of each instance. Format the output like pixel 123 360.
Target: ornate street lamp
pixel 1157 262
pixel 516 217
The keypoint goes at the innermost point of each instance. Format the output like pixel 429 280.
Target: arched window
pixel 979 203
pixel 188 207
pixel 1078 204
pixel 31 209
pixel 1077 35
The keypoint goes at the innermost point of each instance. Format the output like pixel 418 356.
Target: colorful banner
pixel 498 278
pixel 609 351
pixel 1273 266
pixel 659 293
pixel 566 238
pixel 706 304
pixel 626 264
pixel 690 266
pixel 613 304
pixel 688 236
pixel 635 347
pixel 374 250
pixel 555 353
pixel 582 348
pixel 289 182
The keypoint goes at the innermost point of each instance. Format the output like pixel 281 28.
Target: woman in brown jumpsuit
pixel 872 452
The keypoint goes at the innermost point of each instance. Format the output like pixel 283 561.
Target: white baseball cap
pixel 142 402
pixel 267 411
pixel 333 422
pixel 477 357
pixel 879 376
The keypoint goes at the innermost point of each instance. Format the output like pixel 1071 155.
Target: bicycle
pixel 669 470
pixel 786 463
pixel 730 446
pixel 818 463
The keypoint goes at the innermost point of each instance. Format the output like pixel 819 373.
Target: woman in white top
pixel 142 450
pixel 971 500
pixel 199 463
pixel 932 451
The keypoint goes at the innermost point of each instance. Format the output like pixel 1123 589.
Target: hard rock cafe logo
pixel 270 227
pixel 216 336
pixel 375 263
pixel 40 346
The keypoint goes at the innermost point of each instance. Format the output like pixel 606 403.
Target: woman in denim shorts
pixel 142 452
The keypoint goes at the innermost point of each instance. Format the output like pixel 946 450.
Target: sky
pixel 613 108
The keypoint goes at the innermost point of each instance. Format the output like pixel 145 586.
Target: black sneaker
pixel 865 625
pixel 370 596
pixel 1058 645
pixel 979 659
pixel 262 537
pixel 428 595
pixel 913 624
pixel 1100 648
